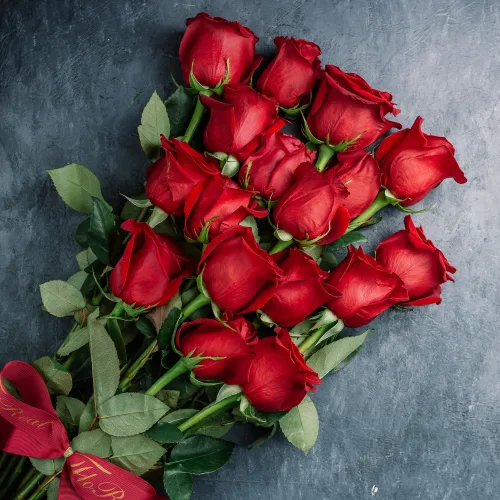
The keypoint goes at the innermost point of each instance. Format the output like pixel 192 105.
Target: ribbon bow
pixel 32 428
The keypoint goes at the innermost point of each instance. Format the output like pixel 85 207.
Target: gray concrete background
pixel 417 414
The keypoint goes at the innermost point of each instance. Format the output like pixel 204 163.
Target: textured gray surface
pixel 418 413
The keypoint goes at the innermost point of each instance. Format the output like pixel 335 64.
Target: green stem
pixel 118 310
pixel 195 120
pixel 30 486
pixel 325 154
pixel 71 359
pixel 5 473
pixel 280 245
pixel 212 409
pixel 378 203
pixel 27 478
pixel 14 476
pixel 131 373
pixel 177 370
pixel 40 492
pixel 313 338
pixel 197 303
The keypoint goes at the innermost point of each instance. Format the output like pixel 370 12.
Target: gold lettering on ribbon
pixel 86 475
pixel 17 413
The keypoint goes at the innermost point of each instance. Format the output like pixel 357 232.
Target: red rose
pixel 220 203
pixel 237 123
pixel 367 288
pixel 360 174
pixel 302 291
pixel 312 207
pixel 212 45
pixel 238 275
pixel 279 377
pixel 269 170
pixel 210 338
pixel 151 268
pixel 293 71
pixel 171 178
pixel 345 107
pixel 414 163
pixel 415 259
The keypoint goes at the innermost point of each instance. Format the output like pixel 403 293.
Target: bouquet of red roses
pixel 219 294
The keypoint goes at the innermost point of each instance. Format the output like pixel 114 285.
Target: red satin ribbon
pixel 32 428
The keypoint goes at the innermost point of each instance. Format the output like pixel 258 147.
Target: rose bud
pixel 302 291
pixel 211 338
pixel 346 107
pixel 367 288
pixel 212 46
pixel 151 269
pixel 292 72
pixel 237 123
pixel 415 259
pixel 238 275
pixel 311 209
pixel 172 177
pixel 279 377
pixel 219 203
pixel 413 163
pixel 360 174
pixel 270 169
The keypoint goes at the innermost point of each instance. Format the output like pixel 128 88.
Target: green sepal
pixel 342 146
pixel 203 383
pixel 307 132
pixel 298 108
pixel 200 285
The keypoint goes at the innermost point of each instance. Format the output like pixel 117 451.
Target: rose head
pixel 367 288
pixel 238 275
pixel 311 208
pixel 238 121
pixel 346 107
pixel 211 46
pixel 151 268
pixel 360 174
pixel 413 163
pixel 210 338
pixel 279 377
pixel 270 169
pixel 221 204
pixel 292 72
pixel 173 176
pixel 302 291
pixel 415 259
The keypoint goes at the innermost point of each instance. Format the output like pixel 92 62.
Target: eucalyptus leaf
pixel 200 455
pixel 168 328
pixel 154 122
pixel 180 107
pixel 348 239
pixel 101 230
pixel 130 413
pixel 87 417
pixel 178 485
pixel 69 410
pixel 94 442
pixel 136 454
pixel 76 185
pixel 47 466
pixel 333 357
pixel 61 298
pixel 165 433
pixel 56 377
pixel 301 425
pixel 53 489
pixel 105 364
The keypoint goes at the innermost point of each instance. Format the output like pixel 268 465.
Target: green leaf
pixel 87 417
pixel 301 425
pixel 56 377
pixel 260 441
pixel 78 279
pixel 227 391
pixel 61 298
pixel 101 231
pixel 145 327
pixel 105 364
pixel 136 454
pixel 154 122
pixel 336 355
pixel 53 490
pixel 47 466
pixel 85 258
pixel 169 397
pixel 69 410
pixel 168 328
pixel 178 417
pixel 139 202
pixel 180 107
pixel 95 442
pixel 157 217
pixel 82 231
pixel 116 336
pixel 348 239
pixel 76 185
pixel 130 211
pixel 200 455
pixel 165 433
pixel 178 485
pixel 130 413
pixel 79 337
